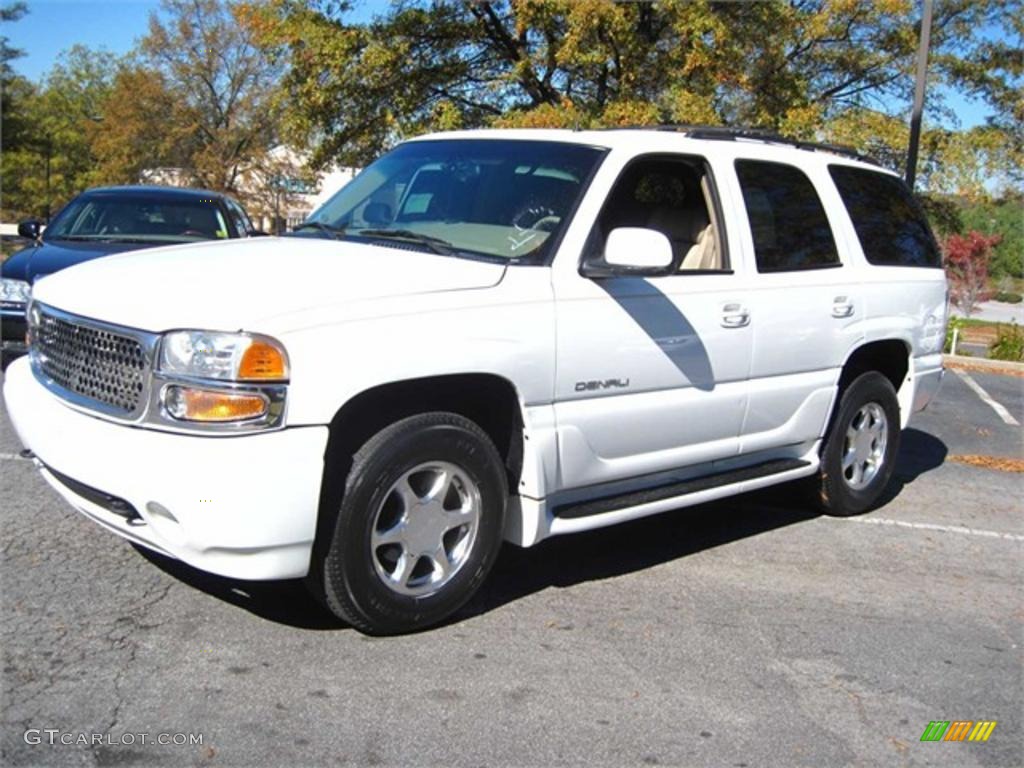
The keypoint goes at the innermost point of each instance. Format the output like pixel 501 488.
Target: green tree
pixel 51 161
pixel 1003 218
pixel 993 71
pixel 9 13
pixel 16 94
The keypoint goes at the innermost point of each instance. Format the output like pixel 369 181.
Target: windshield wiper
pixel 104 239
pixel 330 231
pixel 436 244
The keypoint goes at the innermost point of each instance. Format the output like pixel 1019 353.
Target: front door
pixel 652 372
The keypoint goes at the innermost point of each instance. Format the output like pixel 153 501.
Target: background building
pixel 279 191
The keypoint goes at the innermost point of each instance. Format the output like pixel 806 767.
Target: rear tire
pixel 859 455
pixel 419 526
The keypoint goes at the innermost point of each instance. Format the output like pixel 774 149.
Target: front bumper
pixel 239 506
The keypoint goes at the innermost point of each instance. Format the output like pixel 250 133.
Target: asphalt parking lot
pixel 744 633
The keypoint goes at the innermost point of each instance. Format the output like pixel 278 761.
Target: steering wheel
pixel 536 216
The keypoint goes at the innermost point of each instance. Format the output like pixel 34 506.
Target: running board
pixel 683 488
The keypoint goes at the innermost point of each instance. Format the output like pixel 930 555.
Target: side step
pixel 697 484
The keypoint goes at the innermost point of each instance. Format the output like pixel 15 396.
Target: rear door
pixel 806 305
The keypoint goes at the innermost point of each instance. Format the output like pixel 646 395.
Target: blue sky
pixel 52 26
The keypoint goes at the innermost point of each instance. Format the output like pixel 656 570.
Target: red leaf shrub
pixel 967 260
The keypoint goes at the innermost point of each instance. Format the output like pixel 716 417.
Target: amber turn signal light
pixel 190 404
pixel 262 361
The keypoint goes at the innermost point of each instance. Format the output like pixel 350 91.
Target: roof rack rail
pixel 726 133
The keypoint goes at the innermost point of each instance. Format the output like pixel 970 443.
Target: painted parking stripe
pixel 960 529
pixel 10 457
pixel 1004 414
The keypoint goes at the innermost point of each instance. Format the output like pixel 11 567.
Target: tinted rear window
pixel 787 221
pixel 890 224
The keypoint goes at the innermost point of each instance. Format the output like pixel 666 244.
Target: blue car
pixel 104 221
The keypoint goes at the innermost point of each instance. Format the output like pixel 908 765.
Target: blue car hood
pixel 40 260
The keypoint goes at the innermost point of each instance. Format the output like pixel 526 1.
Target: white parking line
pixel 962 530
pixel 10 457
pixel 1004 414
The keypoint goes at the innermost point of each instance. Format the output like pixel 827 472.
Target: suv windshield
pixel 124 218
pixel 491 197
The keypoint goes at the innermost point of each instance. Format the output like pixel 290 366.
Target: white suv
pixel 491 335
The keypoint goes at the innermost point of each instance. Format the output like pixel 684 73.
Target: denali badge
pixel 587 386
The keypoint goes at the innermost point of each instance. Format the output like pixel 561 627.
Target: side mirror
pixel 377 214
pixel 633 251
pixel 31 229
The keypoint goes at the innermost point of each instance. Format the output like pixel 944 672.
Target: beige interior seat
pixel 691 234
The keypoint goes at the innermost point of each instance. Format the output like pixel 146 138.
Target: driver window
pixel 671 195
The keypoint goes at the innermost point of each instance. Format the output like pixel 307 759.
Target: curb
pixel 983 364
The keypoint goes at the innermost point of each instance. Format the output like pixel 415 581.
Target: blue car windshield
pixel 124 218
pixel 501 198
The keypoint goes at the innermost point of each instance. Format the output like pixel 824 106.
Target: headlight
pixel 222 356
pixel 14 291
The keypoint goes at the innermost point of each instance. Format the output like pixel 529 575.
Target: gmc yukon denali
pixel 491 336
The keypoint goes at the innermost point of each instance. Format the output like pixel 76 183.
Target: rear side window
pixel 787 220
pixel 890 224
pixel 239 218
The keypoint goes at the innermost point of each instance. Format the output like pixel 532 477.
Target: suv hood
pixel 235 284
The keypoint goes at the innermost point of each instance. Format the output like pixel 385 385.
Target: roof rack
pixel 725 133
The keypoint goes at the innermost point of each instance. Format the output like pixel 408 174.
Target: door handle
pixel 842 307
pixel 735 316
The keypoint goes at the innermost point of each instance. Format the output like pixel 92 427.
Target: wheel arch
pixel 489 400
pixel 889 356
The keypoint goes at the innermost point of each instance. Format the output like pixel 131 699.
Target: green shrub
pixel 954 323
pixel 1008 297
pixel 1009 344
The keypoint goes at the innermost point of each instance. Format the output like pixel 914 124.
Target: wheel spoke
pixel 442 565
pixel 393 535
pixel 456 517
pixel 858 473
pixel 439 488
pixel 406 493
pixel 405 567
pixel 849 456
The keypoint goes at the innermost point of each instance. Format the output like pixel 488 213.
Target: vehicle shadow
pixel 283 602
pixel 641 544
pixel 920 452
pixel 568 560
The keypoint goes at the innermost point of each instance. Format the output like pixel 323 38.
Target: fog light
pixel 190 404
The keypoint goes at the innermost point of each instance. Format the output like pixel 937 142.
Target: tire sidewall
pixel 349 565
pixel 867 388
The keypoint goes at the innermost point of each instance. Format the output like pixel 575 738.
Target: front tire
pixel 420 524
pixel 860 450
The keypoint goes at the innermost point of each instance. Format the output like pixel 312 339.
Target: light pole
pixel 922 72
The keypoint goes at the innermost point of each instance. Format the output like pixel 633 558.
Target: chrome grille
pixel 97 364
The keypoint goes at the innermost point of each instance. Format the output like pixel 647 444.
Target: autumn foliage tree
pixel 967 265
pixel 808 68
pixel 196 96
